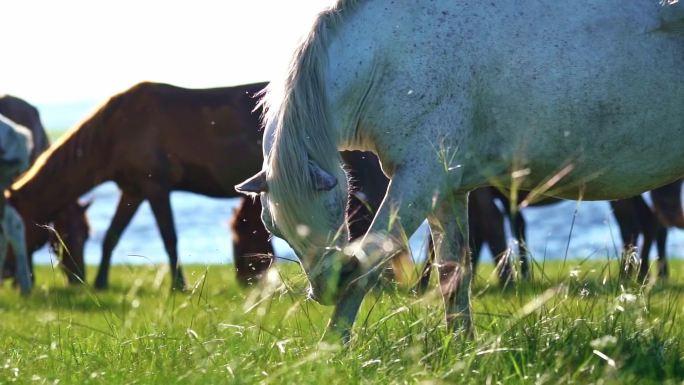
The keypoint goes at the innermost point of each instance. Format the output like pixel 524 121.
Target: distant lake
pixel 204 238
pixel 58 117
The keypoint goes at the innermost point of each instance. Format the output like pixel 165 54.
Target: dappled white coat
pixel 580 99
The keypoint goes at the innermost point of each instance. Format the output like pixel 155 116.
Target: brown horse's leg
pixel 424 281
pixel 661 242
pixel 252 249
pixel 518 228
pixel 649 228
pixel 487 225
pixel 161 207
pixel 499 249
pixel 625 215
pixel 128 205
pixel 477 223
pixel 476 243
pixel 520 231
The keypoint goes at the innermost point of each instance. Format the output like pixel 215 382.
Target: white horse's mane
pixel 297 108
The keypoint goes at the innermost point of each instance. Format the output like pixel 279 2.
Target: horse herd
pixel 531 118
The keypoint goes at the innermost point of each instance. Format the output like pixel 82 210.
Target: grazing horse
pixel 150 140
pixel 70 223
pixel 571 99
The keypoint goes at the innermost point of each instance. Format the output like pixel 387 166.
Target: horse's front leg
pixel 406 205
pixel 14 228
pixel 449 227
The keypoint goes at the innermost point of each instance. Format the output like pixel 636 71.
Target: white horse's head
pixel 302 185
pixel 305 204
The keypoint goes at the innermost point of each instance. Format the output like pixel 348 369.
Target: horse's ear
pixel 323 180
pixel 85 205
pixel 254 185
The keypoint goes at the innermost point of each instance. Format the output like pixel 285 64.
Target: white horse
pixel 579 99
pixel 15 147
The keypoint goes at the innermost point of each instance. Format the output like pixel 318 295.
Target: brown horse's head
pixel 71 228
pixel 252 250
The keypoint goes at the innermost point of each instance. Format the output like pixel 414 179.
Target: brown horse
pixel 150 140
pixel 70 222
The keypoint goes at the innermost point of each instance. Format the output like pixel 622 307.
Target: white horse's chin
pixel 326 288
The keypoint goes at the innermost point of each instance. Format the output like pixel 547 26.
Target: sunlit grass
pixel 575 324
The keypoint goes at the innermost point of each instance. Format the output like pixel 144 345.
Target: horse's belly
pixel 601 162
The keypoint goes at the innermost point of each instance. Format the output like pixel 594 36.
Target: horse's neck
pixel 58 178
pixel 40 200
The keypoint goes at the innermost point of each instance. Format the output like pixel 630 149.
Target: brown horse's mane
pixel 77 150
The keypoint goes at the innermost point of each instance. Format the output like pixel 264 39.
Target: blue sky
pixel 71 50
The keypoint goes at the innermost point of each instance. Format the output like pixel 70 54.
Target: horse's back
pixel 204 140
pixel 597 85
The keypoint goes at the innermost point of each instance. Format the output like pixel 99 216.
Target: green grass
pixel 573 324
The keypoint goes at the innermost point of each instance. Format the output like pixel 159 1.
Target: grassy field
pixel 573 324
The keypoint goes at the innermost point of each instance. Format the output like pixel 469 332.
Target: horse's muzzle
pixel 327 286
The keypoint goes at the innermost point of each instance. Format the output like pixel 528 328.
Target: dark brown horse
pixel 151 139
pixel 70 221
